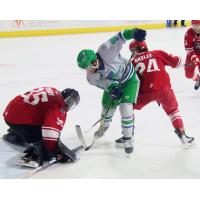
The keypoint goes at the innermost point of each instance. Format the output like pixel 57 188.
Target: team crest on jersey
pixel 127 97
pixel 60 122
pixel 114 39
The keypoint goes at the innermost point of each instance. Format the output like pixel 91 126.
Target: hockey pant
pixel 167 100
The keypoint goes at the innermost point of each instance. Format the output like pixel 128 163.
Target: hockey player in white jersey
pixel 110 71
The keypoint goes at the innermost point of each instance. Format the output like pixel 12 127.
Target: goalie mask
pixel 71 97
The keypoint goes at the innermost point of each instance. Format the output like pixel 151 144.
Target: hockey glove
pixel 195 60
pixel 116 93
pixel 137 34
pixel 62 157
pixel 64 154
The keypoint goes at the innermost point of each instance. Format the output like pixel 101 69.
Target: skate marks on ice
pixel 8 156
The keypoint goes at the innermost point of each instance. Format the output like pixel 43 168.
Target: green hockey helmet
pixel 85 58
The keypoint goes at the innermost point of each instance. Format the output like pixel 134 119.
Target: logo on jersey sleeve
pixel 114 39
pixel 60 122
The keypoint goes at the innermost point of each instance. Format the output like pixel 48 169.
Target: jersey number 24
pixel 151 66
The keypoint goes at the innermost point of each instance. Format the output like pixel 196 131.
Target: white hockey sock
pixel 126 110
pixel 107 117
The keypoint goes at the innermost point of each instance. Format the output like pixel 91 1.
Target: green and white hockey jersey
pixel 114 67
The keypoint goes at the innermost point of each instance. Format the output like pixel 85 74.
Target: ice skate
pixel 119 143
pixel 185 140
pixel 128 145
pixel 100 132
pixel 197 84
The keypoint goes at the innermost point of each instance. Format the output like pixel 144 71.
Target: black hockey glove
pixel 139 35
pixel 116 93
pixel 64 154
pixel 62 157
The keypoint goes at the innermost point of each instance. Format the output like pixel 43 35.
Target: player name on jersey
pixel 143 57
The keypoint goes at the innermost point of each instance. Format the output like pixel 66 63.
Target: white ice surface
pixel 26 63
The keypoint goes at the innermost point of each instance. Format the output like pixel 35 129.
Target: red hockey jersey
pixel 192 44
pixel 150 68
pixel 44 107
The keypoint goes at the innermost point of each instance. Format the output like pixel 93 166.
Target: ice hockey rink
pixel 27 63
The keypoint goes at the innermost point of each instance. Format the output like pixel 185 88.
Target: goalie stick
pixel 50 163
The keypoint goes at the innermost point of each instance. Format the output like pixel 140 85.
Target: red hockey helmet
pixel 138 46
pixel 195 22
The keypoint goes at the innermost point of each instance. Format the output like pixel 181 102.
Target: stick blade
pixel 80 136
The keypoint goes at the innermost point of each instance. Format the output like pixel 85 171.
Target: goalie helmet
pixel 138 47
pixel 85 58
pixel 196 26
pixel 71 97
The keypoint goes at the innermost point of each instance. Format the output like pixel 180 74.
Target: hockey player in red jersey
pixel 192 47
pixel 36 119
pixel 155 84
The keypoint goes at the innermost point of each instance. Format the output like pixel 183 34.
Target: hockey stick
pixel 50 163
pixel 80 136
pixel 82 140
